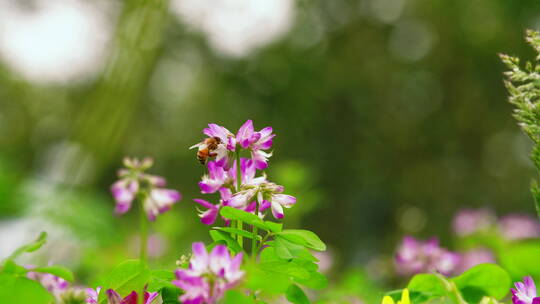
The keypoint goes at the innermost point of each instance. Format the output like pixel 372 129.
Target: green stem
pixel 238 184
pixel 144 245
pixel 255 232
pixel 144 236
pixel 452 289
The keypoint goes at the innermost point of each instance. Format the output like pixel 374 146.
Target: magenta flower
pixel 159 201
pixel 114 298
pixel 415 256
pixel 525 293
pixel 226 137
pixel 470 221
pixel 208 275
pixel 134 182
pixel 224 180
pixel 519 226
pixel 256 142
pixel 475 257
pixel 215 179
pixel 93 295
pixel 266 194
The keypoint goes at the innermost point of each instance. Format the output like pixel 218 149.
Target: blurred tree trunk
pixel 103 121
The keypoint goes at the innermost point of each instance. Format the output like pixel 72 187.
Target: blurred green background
pixel 390 115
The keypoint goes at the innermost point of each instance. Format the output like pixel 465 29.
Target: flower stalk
pixel 238 185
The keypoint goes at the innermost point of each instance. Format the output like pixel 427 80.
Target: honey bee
pixel 207 148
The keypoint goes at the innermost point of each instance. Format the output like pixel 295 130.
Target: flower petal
pixel 277 210
pixel 243 137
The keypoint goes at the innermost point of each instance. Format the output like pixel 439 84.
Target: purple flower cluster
pixel 471 221
pixel 255 194
pixel 414 256
pixel 511 227
pixel 519 226
pixel 474 257
pixel 525 292
pixel 134 182
pixel 246 138
pixel 208 275
pixel 114 298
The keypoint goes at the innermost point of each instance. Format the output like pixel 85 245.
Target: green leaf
pixel 521 259
pixel 12 267
pixel 240 215
pixel 315 281
pixel 30 247
pixel 241 232
pixel 274 227
pixel 304 238
pixel 160 279
pixel 286 249
pixel 427 284
pixel 232 244
pixel 236 297
pixel 128 276
pixel 56 270
pixel 483 280
pixel 290 269
pixel 257 279
pixel 170 295
pixel 17 289
pixel 415 296
pixel 296 295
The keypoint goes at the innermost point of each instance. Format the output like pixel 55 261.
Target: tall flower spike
pixel 134 181
pixel 525 293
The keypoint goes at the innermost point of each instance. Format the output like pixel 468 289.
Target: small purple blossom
pixel 92 295
pixel 415 256
pixel 215 179
pixel 135 182
pixel 519 226
pixel 475 257
pixel 114 298
pixel 256 142
pixel 525 292
pixel 159 200
pixel 208 275
pixel 52 283
pixel 246 138
pixel 470 221
pixel 226 137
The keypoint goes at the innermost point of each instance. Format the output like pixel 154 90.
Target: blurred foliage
pixel 378 111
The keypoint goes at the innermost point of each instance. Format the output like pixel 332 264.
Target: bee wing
pixel 201 146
